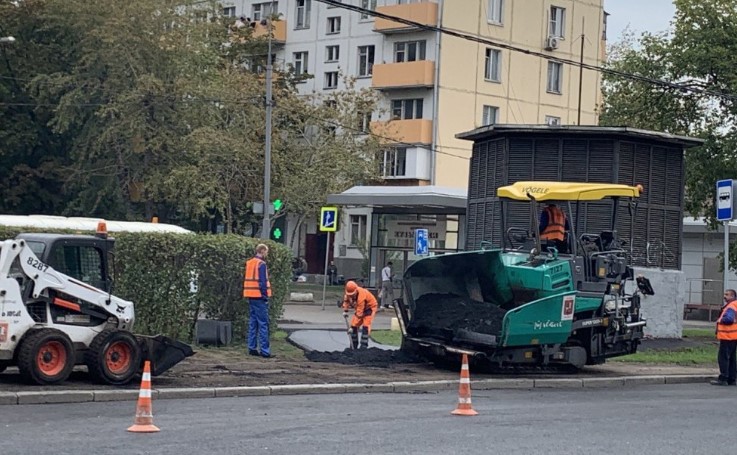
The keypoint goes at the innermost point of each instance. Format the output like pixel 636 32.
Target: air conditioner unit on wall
pixel 551 43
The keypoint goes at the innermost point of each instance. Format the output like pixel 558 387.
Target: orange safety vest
pixel 556 228
pixel 727 332
pixel 365 300
pixel 251 277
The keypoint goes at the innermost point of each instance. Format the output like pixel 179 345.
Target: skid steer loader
pixel 57 311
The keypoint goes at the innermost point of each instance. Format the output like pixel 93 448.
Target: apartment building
pixel 436 85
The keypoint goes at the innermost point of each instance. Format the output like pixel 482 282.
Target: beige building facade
pixel 435 85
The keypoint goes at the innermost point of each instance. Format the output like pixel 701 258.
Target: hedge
pixel 175 279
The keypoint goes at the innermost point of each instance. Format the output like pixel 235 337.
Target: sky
pixel 640 15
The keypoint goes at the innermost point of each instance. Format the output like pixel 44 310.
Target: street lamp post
pixel 266 227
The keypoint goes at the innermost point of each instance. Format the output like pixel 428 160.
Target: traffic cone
pixel 464 392
pixel 144 422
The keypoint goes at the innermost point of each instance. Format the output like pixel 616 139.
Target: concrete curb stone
pixel 644 380
pixel 565 383
pixel 493 384
pixel 242 391
pixel 602 382
pixel 81 396
pixel 56 396
pixel 300 389
pixel 117 395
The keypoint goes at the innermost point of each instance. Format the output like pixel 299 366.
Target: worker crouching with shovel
pixel 365 306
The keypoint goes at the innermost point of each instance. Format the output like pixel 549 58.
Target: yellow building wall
pixel 521 96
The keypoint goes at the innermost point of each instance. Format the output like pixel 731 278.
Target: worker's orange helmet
pixel 351 288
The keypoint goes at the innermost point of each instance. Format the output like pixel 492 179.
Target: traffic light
pixel 279 230
pixel 278 204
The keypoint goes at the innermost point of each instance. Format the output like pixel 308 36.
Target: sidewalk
pixel 313 317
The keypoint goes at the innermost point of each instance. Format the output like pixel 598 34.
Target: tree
pixel 700 55
pixel 157 107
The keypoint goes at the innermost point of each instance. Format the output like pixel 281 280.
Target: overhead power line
pixel 477 39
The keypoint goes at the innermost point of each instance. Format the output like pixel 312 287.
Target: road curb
pixel 82 396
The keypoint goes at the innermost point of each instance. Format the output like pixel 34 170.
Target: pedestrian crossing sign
pixel 329 219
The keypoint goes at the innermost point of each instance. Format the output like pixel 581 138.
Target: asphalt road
pixel 675 419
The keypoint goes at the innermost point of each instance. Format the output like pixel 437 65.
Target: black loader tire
pixel 114 357
pixel 46 356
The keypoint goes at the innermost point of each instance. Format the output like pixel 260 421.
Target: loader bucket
pixel 163 352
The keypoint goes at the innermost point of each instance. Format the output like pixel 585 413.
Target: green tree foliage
pixel 699 54
pixel 158 107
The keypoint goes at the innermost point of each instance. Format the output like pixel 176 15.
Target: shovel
pixel 348 326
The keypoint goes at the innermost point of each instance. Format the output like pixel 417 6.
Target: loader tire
pixel 46 356
pixel 113 357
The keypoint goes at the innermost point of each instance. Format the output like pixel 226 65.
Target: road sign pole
pixel 726 255
pixel 325 280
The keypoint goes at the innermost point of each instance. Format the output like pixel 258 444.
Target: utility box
pixel 213 333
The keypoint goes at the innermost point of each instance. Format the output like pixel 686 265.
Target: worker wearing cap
pixel 365 306
pixel 257 289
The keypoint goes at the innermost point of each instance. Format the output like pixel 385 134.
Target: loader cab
pixel 598 259
pixel 86 258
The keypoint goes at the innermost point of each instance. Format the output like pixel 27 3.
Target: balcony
pixel 280 31
pixel 389 76
pixel 415 131
pixel 424 13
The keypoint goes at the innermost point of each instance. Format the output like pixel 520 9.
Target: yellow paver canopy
pixel 566 191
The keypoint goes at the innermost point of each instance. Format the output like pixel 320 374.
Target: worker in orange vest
pixel 553 226
pixel 364 304
pixel 727 336
pixel 257 289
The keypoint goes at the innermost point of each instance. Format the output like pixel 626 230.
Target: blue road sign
pixel 724 200
pixel 329 219
pixel 421 247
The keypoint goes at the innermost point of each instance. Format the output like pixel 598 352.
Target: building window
pixel 409 51
pixel 304 8
pixel 300 63
pixel 555 77
pixel 557 22
pixel 229 11
pixel 332 53
pixel 493 68
pixel 367 4
pixel 490 115
pixel 365 61
pixel 395 163
pixel 333 25
pixel 552 120
pixel 364 122
pixel 496 11
pixel 407 109
pixel 263 10
pixel 358 229
pixel 331 79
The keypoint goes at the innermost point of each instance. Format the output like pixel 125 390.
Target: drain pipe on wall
pixel 435 97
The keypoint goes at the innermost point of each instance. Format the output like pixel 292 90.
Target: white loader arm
pixel 45 278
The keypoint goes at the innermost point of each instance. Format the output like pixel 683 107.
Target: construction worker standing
pixel 257 289
pixel 364 304
pixel 727 336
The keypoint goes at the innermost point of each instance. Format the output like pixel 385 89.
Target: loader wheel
pixel 46 356
pixel 113 357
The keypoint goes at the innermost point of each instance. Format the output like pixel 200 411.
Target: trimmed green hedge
pixel 174 279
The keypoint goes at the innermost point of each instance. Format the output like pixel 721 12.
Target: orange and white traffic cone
pixel 464 392
pixel 144 422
